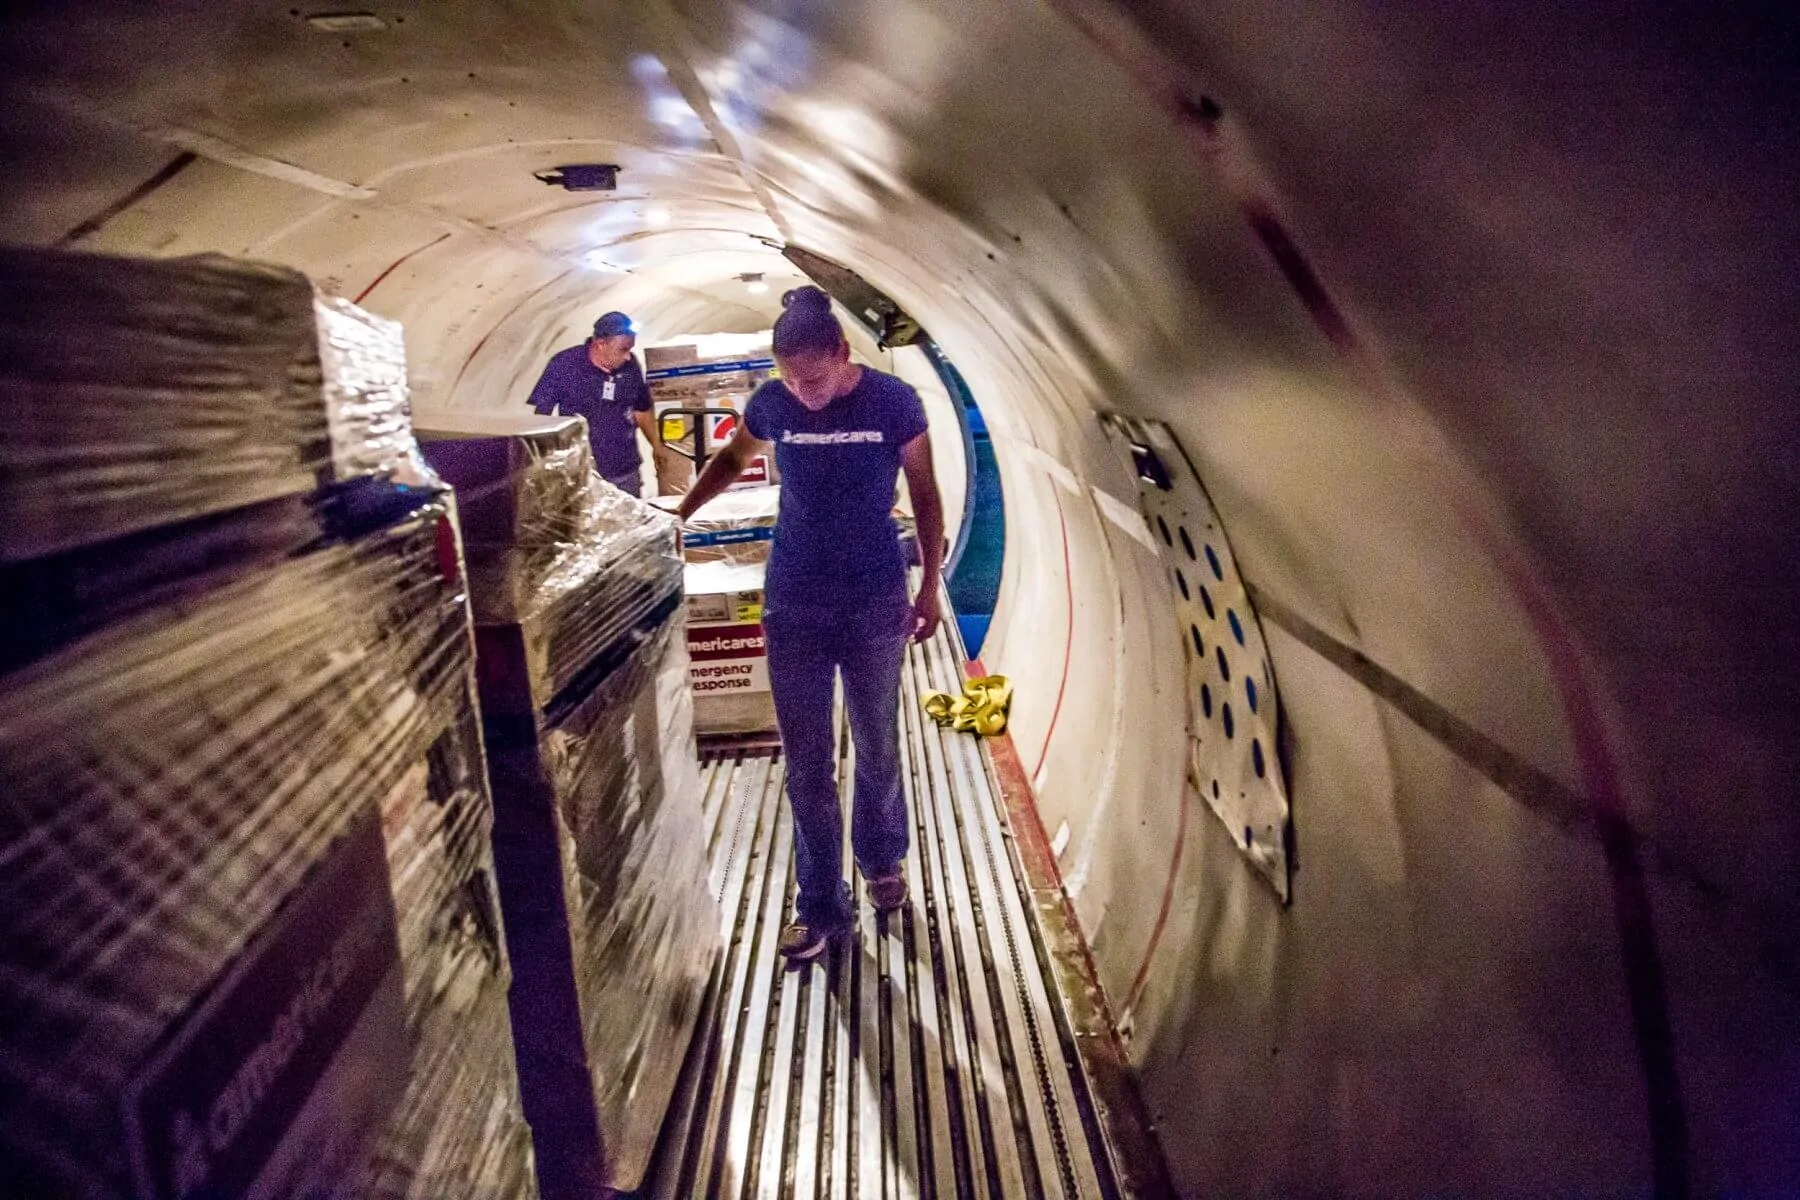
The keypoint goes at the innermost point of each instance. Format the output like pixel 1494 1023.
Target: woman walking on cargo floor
pixel 836 597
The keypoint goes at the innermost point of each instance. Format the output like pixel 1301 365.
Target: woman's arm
pixel 722 471
pixel 928 517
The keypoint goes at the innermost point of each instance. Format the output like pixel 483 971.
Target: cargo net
pixel 172 784
pixel 140 393
pixel 642 918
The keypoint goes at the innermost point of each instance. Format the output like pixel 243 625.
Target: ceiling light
pixel 753 281
pixel 657 216
pixel 346 22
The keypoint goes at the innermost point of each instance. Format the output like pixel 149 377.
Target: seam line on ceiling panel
pixel 662 27
pixel 95 223
pixel 227 153
pixel 396 265
pixel 521 302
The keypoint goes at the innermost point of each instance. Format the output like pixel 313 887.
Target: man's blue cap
pixel 614 324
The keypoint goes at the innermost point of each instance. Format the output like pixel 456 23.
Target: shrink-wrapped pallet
pixel 460 1128
pixel 624 779
pixel 139 393
pixel 249 941
pixel 206 984
pixel 568 561
pixel 610 923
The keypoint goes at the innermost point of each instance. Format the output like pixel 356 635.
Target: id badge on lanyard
pixel 610 391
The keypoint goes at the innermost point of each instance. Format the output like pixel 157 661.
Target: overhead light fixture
pixel 657 216
pixel 753 282
pixel 346 22
pixel 581 177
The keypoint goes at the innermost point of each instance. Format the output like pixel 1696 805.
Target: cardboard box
pixel 709 384
pixel 657 358
pixel 728 667
pixel 138 393
pixel 737 527
pixel 519 477
pixel 715 383
pixel 567 559
pixel 719 592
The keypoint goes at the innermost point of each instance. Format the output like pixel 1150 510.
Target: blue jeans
pixel 806 649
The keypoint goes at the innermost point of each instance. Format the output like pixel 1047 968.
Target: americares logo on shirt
pixel 836 545
pixel 840 437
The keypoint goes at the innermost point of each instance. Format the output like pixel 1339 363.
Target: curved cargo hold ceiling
pixel 1476 324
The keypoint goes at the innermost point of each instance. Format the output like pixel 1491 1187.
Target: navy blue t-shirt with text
pixel 573 386
pixel 836 544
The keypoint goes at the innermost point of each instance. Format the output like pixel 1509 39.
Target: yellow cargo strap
pixel 982 708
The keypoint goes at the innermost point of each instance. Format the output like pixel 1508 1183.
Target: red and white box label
pixel 727 658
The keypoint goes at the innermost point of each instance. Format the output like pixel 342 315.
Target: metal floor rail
pixel 929 1058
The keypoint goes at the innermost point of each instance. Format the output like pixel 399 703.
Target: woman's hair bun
pixel 808 326
pixel 807 298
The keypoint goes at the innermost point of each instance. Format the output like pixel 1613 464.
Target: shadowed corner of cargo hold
pixel 1371 483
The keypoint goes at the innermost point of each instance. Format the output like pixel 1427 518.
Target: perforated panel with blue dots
pixel 1232 708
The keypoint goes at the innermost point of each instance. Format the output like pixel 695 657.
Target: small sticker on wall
pixel 1060 842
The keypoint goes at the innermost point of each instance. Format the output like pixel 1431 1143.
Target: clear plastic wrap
pixel 137 393
pixel 589 731
pixel 363 361
pixel 460 1130
pixel 643 921
pixel 198 882
pixel 734 527
pixel 552 549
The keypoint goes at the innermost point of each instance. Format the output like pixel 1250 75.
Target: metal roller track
pixel 930 1057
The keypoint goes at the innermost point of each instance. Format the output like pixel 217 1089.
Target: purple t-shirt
pixel 836 544
pixel 575 387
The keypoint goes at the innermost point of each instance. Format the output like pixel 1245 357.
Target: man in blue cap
pixel 602 381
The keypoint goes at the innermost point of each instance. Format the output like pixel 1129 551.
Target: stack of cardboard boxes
pixel 612 926
pixel 730 671
pixel 249 939
pixel 726 550
pixel 681 379
pixel 726 546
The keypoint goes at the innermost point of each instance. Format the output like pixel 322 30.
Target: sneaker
pixel 888 893
pixel 803 942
